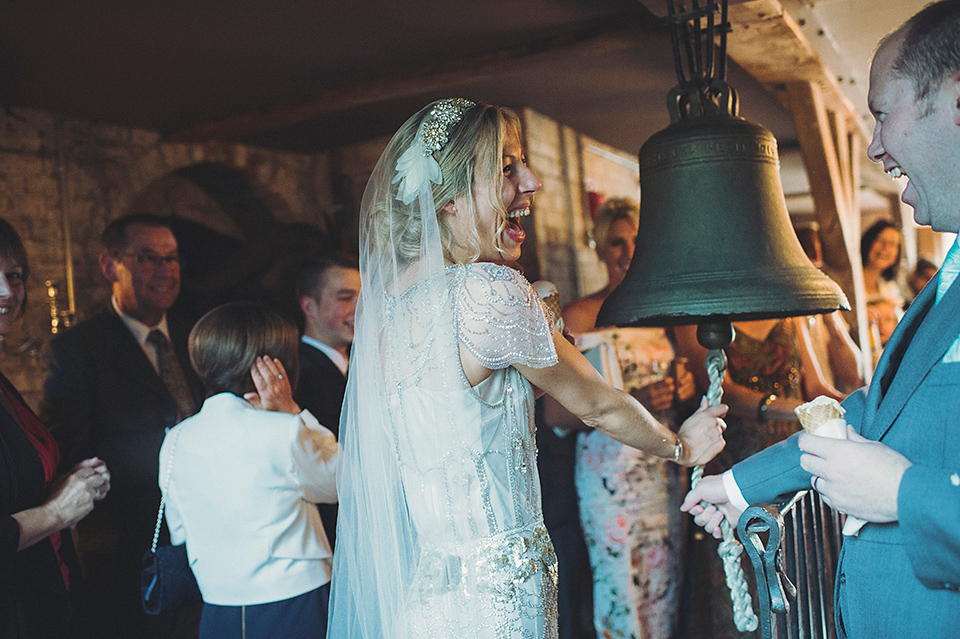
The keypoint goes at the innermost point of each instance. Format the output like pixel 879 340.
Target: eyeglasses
pixel 154 260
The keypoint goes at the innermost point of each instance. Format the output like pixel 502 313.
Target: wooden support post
pixel 832 168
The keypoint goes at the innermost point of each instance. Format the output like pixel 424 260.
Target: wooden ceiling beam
pixel 602 34
pixel 769 45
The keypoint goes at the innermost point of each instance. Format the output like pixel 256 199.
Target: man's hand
pixel 856 476
pixel 709 505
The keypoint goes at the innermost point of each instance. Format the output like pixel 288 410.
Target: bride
pixel 440 529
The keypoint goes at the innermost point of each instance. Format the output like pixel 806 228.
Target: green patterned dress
pixel 772 367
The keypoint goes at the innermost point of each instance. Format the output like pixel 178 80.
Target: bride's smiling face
pixel 516 194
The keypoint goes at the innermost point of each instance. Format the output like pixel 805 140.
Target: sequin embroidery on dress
pixel 485 566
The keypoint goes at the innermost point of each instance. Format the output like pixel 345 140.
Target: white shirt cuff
pixel 733 492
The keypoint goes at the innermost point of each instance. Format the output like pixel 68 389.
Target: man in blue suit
pixel 899 469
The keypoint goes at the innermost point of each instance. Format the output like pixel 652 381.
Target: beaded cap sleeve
pixel 438 488
pixel 500 318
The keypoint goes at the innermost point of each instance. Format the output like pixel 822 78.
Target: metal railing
pixel 794 546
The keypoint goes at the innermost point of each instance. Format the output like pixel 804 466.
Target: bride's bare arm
pixel 579 388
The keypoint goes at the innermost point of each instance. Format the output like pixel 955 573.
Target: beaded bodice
pixel 467 455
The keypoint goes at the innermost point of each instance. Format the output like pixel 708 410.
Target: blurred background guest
pixel 881 251
pixel 37 562
pixel 117 381
pixel 244 475
pixel 836 352
pixel 556 459
pixel 923 271
pixel 628 500
pixel 883 315
pixel 771 369
pixel 327 290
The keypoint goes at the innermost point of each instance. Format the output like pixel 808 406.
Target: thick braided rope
pixel 743 616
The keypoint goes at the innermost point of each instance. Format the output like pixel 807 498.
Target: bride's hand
pixel 273 387
pixel 702 434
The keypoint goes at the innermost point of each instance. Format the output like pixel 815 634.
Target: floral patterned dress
pixel 629 505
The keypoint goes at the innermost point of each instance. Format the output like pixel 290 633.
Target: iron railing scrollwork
pixel 794 546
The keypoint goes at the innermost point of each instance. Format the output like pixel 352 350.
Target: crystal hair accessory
pixel 417 167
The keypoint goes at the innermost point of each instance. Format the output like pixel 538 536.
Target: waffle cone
pixel 817 412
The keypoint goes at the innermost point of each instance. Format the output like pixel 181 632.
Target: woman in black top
pixel 36 507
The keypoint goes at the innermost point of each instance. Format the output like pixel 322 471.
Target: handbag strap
pixel 163 492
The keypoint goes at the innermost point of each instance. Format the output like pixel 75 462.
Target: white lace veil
pixel 397 426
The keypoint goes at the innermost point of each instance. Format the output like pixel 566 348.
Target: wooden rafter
pixel 769 45
pixel 602 34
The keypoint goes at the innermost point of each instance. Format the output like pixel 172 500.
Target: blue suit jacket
pixel 898 579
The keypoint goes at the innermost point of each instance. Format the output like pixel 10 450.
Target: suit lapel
pixel 131 362
pixel 926 335
pixel 320 360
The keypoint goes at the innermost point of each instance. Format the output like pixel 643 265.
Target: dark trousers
pixel 300 617
pixel 34 615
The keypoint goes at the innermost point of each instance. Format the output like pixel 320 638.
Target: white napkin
pixel 836 428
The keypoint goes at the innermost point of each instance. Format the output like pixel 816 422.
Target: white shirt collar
pixel 138 328
pixel 949 269
pixel 339 360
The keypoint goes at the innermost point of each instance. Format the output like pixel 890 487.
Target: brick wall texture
pixel 62 177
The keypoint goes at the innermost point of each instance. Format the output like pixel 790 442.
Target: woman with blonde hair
pixel 629 500
pixel 440 531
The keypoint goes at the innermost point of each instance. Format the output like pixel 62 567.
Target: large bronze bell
pixel 715 242
pixel 715 237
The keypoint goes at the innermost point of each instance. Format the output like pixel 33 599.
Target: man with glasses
pixel 117 381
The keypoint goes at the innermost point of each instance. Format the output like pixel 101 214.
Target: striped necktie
pixel 172 375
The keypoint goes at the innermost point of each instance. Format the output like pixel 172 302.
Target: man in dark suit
pixel 117 381
pixel 327 292
pixel 899 468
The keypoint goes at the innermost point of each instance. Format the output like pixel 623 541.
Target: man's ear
pixel 306 302
pixel 108 266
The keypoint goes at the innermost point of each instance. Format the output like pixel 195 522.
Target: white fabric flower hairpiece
pixel 417 167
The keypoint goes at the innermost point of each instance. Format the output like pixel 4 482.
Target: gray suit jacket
pixel 898 579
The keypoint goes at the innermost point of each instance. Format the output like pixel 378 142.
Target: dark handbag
pixel 166 581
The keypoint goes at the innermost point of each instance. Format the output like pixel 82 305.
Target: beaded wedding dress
pixel 486 567
pixel 440 529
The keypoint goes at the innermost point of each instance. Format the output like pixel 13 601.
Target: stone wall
pixel 62 175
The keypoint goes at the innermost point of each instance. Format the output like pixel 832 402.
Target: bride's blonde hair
pixel 473 152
